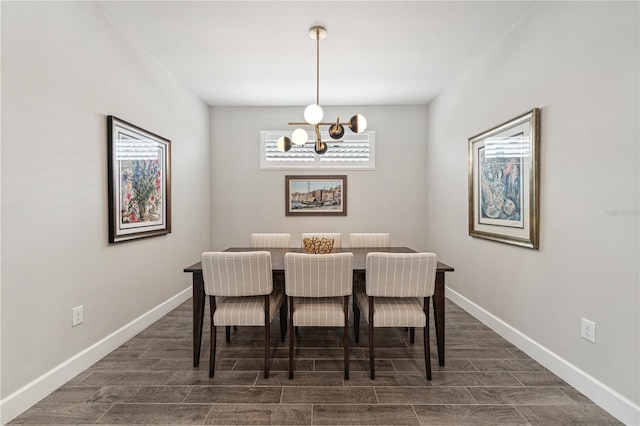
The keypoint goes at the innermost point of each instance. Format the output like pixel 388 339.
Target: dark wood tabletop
pixel 359 257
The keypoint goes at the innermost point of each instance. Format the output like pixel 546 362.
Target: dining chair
pixel 267 240
pixel 397 293
pixel 369 239
pixel 335 236
pixel 318 287
pixel 241 293
pixel 270 240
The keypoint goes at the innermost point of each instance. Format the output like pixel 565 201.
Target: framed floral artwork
pixel 139 182
pixel 504 173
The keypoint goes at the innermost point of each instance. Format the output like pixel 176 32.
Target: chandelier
pixel 313 114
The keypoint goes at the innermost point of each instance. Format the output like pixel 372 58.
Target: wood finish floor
pixel 151 380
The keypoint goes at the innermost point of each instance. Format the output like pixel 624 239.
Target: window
pixel 355 152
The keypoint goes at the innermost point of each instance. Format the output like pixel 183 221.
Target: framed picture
pixel 504 182
pixel 139 182
pixel 316 195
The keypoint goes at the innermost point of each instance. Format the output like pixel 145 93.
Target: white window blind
pixel 356 151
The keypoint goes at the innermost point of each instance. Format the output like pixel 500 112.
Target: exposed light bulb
pixel 321 148
pixel 283 144
pixel 313 114
pixel 358 123
pixel 299 136
pixel 336 131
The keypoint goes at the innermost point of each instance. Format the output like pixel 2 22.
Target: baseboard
pixel 19 401
pixel 613 402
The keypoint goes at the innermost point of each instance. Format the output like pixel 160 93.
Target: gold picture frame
pixel 504 189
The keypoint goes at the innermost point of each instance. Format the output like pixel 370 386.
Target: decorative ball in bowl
pixel 315 245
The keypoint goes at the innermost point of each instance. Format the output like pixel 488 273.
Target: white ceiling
pixel 241 53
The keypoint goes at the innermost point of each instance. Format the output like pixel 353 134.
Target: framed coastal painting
pixel 316 195
pixel 139 182
pixel 504 173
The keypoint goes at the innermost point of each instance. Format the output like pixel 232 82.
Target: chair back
pixel 370 239
pixel 318 275
pixel 401 274
pixel 335 236
pixel 269 240
pixel 237 273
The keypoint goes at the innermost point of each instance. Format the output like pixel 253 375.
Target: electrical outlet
pixel 78 315
pixel 588 330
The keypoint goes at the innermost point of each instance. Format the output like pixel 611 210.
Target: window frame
pixel 317 164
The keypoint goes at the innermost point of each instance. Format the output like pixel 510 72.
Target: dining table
pixel 277 267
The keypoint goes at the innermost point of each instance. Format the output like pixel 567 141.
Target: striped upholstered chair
pixel 241 293
pixel 335 236
pixel 366 239
pixel 269 240
pixel 370 239
pixel 398 289
pixel 318 287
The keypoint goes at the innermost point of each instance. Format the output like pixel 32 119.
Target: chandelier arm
pixel 325 142
pixel 304 123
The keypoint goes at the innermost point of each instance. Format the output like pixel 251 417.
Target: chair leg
pixel 267 335
pixel 283 319
pixel 346 337
pixel 372 364
pixel 228 332
pixel 267 340
pixel 212 345
pixel 427 344
pixel 412 335
pixel 356 321
pixel 290 337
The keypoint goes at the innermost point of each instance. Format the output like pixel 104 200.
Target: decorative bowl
pixel 315 245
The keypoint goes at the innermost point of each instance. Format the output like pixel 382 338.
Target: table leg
pixel 198 315
pixel 438 313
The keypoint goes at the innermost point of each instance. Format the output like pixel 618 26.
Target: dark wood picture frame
pixel 139 169
pixel 316 195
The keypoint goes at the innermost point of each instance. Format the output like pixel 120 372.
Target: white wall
pixel 389 199
pixel 65 67
pixel 578 62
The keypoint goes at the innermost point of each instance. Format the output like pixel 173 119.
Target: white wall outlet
pixel 78 315
pixel 588 330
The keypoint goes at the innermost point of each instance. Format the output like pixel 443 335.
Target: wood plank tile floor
pixel 151 380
